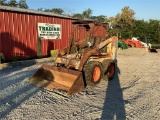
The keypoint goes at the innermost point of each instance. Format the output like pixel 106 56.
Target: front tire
pixel 93 73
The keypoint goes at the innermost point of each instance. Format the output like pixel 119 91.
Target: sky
pixel 144 9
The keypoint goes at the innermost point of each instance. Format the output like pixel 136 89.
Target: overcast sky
pixel 144 9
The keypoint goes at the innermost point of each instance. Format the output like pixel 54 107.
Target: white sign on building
pixel 49 31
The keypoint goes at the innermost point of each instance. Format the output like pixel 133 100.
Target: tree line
pixel 124 24
pixel 14 3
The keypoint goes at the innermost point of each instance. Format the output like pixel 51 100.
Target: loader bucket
pixel 52 77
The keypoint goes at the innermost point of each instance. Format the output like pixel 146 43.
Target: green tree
pixel 54 10
pixel 3 2
pixel 147 29
pixel 77 16
pixel 40 9
pixel 13 3
pixel 57 11
pixel 154 31
pixel 127 22
pixel 100 18
pixel 114 28
pixel 23 4
pixel 140 29
pixel 47 10
pixel 123 23
pixel 87 13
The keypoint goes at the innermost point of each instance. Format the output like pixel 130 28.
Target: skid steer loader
pixel 80 64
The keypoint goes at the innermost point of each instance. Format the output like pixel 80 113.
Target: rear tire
pixel 108 68
pixel 92 73
pixel 110 71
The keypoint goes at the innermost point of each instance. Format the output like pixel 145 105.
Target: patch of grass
pixel 53 53
pixel 14 59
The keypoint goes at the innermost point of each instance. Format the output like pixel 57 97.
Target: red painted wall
pixel 18 34
pixel 19 31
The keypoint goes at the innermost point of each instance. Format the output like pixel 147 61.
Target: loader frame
pixel 73 63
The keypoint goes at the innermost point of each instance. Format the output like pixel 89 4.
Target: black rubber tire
pixel 112 76
pixel 88 72
pixel 106 68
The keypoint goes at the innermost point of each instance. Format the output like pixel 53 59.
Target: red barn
pixel 20 28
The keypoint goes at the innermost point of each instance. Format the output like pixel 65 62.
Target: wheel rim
pixel 110 70
pixel 96 74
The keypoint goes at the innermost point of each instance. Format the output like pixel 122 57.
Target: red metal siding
pixel 18 34
pixel 80 33
pixel 100 31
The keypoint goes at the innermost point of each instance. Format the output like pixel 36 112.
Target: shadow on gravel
pixel 114 103
pixel 15 90
pixel 13 79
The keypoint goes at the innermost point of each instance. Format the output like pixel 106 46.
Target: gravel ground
pixel 133 94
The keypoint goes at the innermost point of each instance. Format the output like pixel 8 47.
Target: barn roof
pixel 30 11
